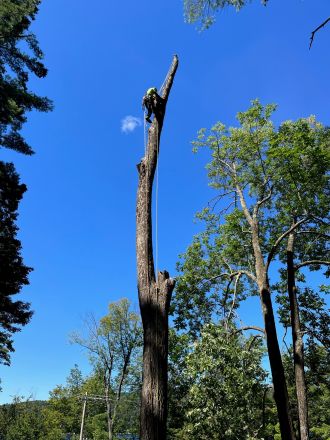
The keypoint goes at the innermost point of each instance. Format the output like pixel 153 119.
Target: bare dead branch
pixel 234 298
pixel 316 30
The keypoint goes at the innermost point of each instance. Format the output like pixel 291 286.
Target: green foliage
pixel 114 348
pixel 274 176
pixel 269 181
pixel 62 415
pixel 13 272
pixel 21 420
pixel 20 55
pixel 223 384
pixel 314 314
pixel 203 11
pixel 317 370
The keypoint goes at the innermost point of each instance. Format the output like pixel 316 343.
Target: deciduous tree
pixel 114 345
pixel 233 255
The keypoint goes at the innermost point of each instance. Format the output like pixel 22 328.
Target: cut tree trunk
pixel 298 346
pixel 154 294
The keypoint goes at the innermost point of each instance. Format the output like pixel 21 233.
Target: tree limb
pixel 310 262
pixel 250 327
pixel 316 30
pixel 279 240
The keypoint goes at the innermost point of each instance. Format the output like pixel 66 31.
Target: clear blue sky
pixel 77 219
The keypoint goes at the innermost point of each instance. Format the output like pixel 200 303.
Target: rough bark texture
pixel 154 294
pixel 298 347
pixel 279 383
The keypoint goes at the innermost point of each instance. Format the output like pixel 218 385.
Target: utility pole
pixel 83 418
pixel 154 292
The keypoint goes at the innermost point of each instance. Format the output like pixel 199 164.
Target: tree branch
pixel 310 262
pixel 316 30
pixel 261 202
pixel 244 205
pixel 234 298
pixel 250 327
pixel 311 231
pixel 278 241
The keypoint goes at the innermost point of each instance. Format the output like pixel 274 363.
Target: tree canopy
pixel 203 11
pixel 20 56
pixel 13 272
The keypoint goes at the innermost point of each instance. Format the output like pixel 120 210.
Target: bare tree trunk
pixel 154 294
pixel 279 382
pixel 297 341
pixel 109 411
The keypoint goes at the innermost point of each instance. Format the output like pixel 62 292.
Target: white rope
pixel 157 184
pixel 156 232
pixel 145 133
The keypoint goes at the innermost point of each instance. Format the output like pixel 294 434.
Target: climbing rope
pixel 157 186
pixel 156 207
pixel 145 133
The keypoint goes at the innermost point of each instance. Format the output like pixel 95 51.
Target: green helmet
pixel 151 91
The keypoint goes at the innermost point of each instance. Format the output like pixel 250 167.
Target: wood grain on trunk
pixel 154 293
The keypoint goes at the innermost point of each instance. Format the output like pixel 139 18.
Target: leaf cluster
pixel 222 387
pixel 203 11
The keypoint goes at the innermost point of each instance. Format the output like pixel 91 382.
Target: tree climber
pixel 150 101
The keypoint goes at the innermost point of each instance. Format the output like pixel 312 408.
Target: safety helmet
pixel 152 90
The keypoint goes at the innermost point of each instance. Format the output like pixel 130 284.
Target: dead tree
pixel 154 293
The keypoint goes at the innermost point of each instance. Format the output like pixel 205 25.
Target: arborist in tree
pixel 150 101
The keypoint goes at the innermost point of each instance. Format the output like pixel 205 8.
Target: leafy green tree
pixel 63 411
pixel 114 346
pixel 232 257
pixel 13 272
pixel 302 159
pixel 226 387
pixel 16 64
pixel 180 345
pixel 22 419
pixel 203 11
pixel 317 379
pixel 20 56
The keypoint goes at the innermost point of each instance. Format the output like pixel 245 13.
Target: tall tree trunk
pixel 154 294
pixel 297 341
pixel 275 359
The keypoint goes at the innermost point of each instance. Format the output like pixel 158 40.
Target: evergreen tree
pixel 16 64
pixel 20 56
pixel 13 272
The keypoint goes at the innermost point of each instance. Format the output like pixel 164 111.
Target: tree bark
pixel 279 382
pixel 154 294
pixel 297 341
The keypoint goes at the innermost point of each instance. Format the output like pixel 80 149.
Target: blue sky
pixel 77 220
